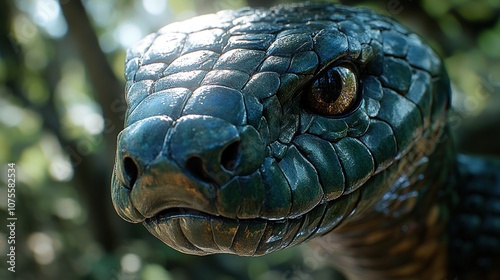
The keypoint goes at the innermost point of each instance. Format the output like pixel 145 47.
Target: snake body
pixel 254 130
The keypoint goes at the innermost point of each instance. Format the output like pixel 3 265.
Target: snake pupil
pixel 334 92
pixel 327 87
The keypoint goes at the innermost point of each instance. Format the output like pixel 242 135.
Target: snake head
pixel 254 130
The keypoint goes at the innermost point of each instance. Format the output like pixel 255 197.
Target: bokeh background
pixel 61 107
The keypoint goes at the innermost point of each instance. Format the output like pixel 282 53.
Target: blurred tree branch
pixel 94 171
pixel 107 87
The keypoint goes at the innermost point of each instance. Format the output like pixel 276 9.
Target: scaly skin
pixel 224 153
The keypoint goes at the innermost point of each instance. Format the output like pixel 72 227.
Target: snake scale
pixel 254 130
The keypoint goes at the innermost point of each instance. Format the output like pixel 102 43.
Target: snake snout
pixel 138 146
pixel 165 166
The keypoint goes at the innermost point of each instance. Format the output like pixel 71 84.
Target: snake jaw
pixel 199 233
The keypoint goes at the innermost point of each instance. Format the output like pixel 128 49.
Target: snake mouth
pixel 199 233
pixel 195 232
pixel 176 212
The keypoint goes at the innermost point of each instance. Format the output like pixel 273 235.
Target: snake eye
pixel 334 92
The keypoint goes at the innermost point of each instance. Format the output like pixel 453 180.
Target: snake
pixel 253 130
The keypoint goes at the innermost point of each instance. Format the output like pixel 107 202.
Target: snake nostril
pixel 229 156
pixel 205 168
pixel 131 171
pixel 195 166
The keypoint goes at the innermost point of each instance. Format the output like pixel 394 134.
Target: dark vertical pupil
pixel 330 86
pixel 334 92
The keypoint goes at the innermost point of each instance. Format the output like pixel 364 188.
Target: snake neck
pixel 402 235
